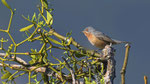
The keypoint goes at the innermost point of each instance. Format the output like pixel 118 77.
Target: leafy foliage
pixel 60 71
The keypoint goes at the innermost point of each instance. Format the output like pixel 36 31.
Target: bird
pixel 99 39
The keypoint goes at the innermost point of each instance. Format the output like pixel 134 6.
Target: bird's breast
pixel 97 42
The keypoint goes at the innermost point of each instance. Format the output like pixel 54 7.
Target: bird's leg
pixel 110 44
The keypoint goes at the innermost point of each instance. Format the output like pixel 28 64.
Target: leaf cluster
pixel 51 71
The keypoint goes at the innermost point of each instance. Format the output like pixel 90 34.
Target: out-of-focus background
pixel 127 20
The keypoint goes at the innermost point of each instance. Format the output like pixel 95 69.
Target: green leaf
pixel 28 17
pixel 5 3
pixel 4 82
pixel 86 80
pixel 70 40
pixel 40 23
pixel 10 48
pixel 45 60
pixel 54 41
pixel 50 9
pixel 26 28
pixel 6 75
pixel 69 34
pixel 49 19
pixel 39 16
pixel 93 82
pixel 33 76
pixel 45 3
pixel 34 52
pixel 34 17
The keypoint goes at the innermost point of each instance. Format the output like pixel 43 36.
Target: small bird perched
pixel 98 38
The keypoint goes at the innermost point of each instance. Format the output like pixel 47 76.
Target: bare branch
pixel 12 57
pixel 71 71
pixel 123 71
pixel 20 67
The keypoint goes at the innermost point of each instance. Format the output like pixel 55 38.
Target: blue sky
pixel 127 20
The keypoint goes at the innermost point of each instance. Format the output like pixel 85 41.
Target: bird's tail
pixel 118 42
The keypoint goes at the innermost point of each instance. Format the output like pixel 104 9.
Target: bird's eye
pixel 86 29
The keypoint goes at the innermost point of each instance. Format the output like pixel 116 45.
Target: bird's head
pixel 88 30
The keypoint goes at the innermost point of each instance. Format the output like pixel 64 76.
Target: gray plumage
pixel 103 37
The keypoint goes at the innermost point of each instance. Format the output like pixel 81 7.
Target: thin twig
pixel 22 68
pixel 71 71
pixel 18 59
pixel 145 80
pixel 123 71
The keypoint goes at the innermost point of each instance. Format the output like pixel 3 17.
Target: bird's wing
pixel 103 37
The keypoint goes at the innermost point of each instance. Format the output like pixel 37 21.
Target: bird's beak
pixel 83 31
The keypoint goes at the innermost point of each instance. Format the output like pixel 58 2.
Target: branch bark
pixel 18 59
pixel 110 68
